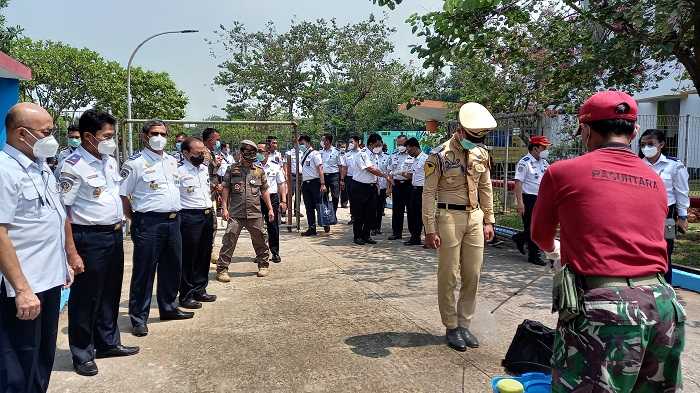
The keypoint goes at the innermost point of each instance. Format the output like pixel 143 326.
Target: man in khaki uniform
pixel 243 185
pixel 457 175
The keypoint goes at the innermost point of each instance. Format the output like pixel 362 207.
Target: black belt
pixel 312 180
pixel 450 206
pixel 417 187
pixel 400 181
pixel 97 228
pixel 197 211
pixel 164 216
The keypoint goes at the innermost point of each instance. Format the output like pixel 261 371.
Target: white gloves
pixel 555 256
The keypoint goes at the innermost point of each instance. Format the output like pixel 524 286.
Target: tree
pixel 559 50
pixel 7 33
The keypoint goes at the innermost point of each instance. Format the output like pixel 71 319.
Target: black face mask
pixel 197 160
pixel 249 155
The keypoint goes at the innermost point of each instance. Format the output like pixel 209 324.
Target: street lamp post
pixel 128 80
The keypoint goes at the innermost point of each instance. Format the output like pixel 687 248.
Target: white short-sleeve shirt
pixel 418 170
pixel 310 165
pixel 399 164
pixel 331 160
pixel 382 161
pixel 153 182
pixel 275 176
pixel 35 220
pixel 90 187
pixel 349 159
pixel 195 190
pixel 529 171
pixel 362 161
pixel 675 177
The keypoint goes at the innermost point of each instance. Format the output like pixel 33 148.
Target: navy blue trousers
pixel 157 248
pixel 27 348
pixel 93 307
pixel 197 229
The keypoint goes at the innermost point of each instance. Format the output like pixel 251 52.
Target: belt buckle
pixel 172 215
pixel 117 226
pixel 207 211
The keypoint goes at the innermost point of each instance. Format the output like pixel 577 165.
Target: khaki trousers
pixel 230 238
pixel 460 257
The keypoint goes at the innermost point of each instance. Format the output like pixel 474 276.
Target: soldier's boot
pixel 469 339
pixel 455 340
pixel 263 269
pixel 222 276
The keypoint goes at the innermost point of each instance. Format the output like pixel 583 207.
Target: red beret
pixel 540 140
pixel 608 105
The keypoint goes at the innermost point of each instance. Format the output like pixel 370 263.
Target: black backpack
pixel 530 350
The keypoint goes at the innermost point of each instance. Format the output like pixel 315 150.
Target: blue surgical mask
pixel 74 142
pixel 260 157
pixel 467 144
pixel 302 148
pixel 178 146
pixel 217 147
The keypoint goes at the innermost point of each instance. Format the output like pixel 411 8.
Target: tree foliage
pixel 7 33
pixel 555 51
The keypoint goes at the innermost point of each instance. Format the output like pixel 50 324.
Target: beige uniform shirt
pixel 457 177
pixel 245 186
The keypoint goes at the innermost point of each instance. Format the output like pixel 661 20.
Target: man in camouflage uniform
pixel 457 175
pixel 621 328
pixel 243 185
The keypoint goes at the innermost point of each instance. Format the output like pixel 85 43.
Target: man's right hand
pixel 521 208
pixel 28 305
pixel 224 213
pixel 432 240
pixel 218 160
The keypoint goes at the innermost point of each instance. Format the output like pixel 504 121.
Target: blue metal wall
pixel 9 94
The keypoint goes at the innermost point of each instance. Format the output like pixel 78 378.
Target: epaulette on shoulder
pixel 258 164
pixel 73 158
pixel 135 156
pixel 672 158
pixel 437 149
pixel 526 158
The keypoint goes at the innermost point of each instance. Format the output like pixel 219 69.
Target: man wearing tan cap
pixel 457 175
pixel 528 175
pixel 244 183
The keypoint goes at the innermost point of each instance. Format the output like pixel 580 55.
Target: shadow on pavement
pixel 377 345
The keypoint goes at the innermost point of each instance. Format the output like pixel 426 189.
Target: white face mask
pixel 351 146
pixel 107 146
pixel 544 154
pixel 157 143
pixel 401 149
pixel 45 147
pixel 650 151
pixel 377 150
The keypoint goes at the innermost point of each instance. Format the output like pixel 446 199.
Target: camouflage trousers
pixel 628 339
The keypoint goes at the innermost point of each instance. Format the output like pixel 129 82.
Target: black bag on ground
pixel 530 350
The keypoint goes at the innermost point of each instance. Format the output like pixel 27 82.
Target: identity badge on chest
pixel 153 185
pixel 190 189
pixel 97 192
pixel 253 182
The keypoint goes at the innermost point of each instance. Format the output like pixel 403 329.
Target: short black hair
pixel 329 137
pixel 618 127
pixel 531 146
pixel 187 143
pixel 73 128
pixel 355 138
pixel 373 138
pixel 401 136
pixel 179 134
pixel 412 142
pixel 263 143
pixel 659 135
pixel 271 138
pixel 93 120
pixel 304 138
pixel 153 123
pixel 207 133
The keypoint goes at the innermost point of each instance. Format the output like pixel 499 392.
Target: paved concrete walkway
pixel 332 317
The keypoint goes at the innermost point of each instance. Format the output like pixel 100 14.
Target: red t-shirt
pixel 611 207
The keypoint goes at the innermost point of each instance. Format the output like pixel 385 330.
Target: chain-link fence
pixel 508 144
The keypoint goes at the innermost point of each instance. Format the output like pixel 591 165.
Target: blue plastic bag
pixel 326 213
pixel 65 294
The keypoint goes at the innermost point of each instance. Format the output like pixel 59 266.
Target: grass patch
pixel 687 251
pixel 510 220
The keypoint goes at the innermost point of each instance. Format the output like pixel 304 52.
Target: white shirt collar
pixel 532 157
pixel 153 155
pixel 662 159
pixel 21 158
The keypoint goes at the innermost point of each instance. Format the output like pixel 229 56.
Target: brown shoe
pixel 263 271
pixel 222 276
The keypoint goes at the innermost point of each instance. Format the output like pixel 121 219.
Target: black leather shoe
pixel 276 258
pixel 373 232
pixel 309 232
pixel 205 298
pixel 176 315
pixel 359 242
pixel 469 339
pixel 140 331
pixel 87 369
pixel 413 242
pixel 519 242
pixel 455 340
pixel 191 304
pixel 369 240
pixel 395 237
pixel 327 228
pixel 537 261
pixel 119 350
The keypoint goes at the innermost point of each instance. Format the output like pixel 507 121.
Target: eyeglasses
pixel 46 131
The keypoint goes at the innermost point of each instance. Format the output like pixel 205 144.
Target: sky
pixel 114 28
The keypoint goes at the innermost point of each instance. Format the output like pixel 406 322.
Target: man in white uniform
pixel 277 187
pixel 416 174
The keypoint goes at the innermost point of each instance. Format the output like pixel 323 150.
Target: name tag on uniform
pixel 153 185
pixel 97 192
pixel 190 189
